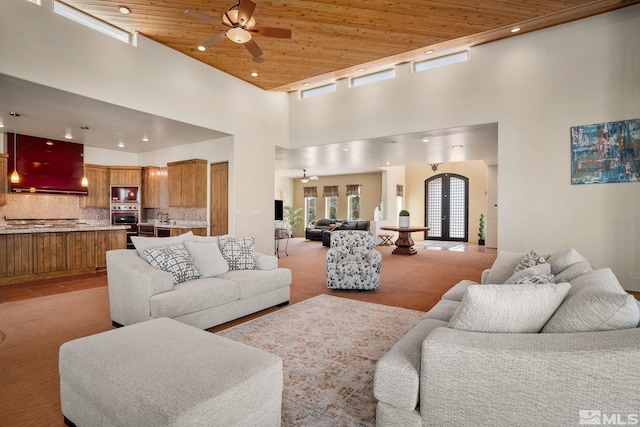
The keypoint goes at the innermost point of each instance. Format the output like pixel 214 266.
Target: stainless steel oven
pixel 126 214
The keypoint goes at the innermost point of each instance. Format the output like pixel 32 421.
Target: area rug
pixel 329 346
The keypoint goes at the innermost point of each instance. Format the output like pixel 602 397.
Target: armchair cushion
pixel 352 261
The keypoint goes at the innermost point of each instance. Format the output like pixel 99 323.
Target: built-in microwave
pixel 125 194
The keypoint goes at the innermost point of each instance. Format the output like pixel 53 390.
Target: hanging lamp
pixel 15 177
pixel 85 182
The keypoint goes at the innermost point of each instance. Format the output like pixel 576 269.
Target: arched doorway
pixel 446 207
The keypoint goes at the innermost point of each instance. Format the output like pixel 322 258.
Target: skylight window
pixel 91 22
pixel 373 77
pixel 318 90
pixel 441 61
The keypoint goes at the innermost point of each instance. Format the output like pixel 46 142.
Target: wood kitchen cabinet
pixel 154 186
pixel 98 177
pixel 187 182
pixel 197 231
pixel 125 175
pixel 26 257
pixel 3 178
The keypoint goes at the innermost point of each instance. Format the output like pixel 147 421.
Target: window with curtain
pixel 310 198
pixel 353 200
pixel 330 193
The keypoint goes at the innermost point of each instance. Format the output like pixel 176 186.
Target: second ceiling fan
pixel 242 25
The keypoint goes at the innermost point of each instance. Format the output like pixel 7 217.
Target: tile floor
pixel 21 291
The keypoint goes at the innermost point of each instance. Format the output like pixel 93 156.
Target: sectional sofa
pixel 200 281
pixel 544 341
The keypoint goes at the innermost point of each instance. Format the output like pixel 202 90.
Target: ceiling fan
pixel 239 18
pixel 306 178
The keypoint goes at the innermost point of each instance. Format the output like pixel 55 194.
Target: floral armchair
pixel 352 261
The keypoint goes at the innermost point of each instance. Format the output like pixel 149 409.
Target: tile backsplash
pixel 49 206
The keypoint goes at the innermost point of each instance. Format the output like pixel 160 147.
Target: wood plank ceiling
pixel 332 39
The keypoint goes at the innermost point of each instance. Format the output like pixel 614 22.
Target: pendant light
pixel 15 177
pixel 85 182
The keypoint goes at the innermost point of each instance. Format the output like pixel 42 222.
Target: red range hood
pixel 46 165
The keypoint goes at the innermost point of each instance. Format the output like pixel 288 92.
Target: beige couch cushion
pixel 508 308
pixel 503 267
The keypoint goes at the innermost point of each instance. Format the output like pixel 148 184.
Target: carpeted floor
pixel 329 346
pixel 35 328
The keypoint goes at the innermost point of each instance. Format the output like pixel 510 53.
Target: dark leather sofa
pixel 345 225
pixel 319 225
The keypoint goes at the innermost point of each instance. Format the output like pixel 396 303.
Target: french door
pixel 446 207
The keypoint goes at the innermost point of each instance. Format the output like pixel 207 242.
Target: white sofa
pixel 212 295
pixel 476 358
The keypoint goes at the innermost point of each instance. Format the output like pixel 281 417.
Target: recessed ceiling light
pixel 425 139
pixel 49 143
pixel 145 138
pixel 515 30
pixel 121 144
pixel 68 136
pixel 254 74
pixel 360 69
pixel 306 84
pixel 202 48
pixel 428 51
pixel 124 10
pixel 345 149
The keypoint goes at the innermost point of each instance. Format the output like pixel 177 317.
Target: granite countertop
pixel 176 224
pixel 52 229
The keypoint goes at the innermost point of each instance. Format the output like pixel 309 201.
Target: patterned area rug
pixel 329 346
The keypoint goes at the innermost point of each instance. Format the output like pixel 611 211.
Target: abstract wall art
pixel 606 152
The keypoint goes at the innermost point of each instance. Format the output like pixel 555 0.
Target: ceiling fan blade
pixel 313 178
pixel 203 16
pixel 253 48
pixel 214 40
pixel 281 33
pixel 245 11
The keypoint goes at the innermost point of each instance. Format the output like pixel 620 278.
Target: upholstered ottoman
pixel 165 373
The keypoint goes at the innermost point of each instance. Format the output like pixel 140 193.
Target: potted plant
pixel 482 230
pixel 404 220
pixel 293 218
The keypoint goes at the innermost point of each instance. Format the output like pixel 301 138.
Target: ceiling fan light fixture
pixel 231 18
pixel 304 180
pixel 238 35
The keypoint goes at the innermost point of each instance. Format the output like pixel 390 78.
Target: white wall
pixel 536 86
pixel 39 46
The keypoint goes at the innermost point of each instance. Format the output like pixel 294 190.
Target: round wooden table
pixel 404 244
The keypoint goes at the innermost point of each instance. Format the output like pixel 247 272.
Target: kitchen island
pixel 44 251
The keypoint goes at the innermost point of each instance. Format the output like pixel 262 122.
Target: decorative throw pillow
pixel 176 260
pixel 563 259
pixel 573 271
pixel 143 243
pixel 529 260
pixel 539 279
pixel 602 279
pixel 239 253
pixel 503 267
pixel 535 270
pixel 208 258
pixel 592 310
pixel 508 308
